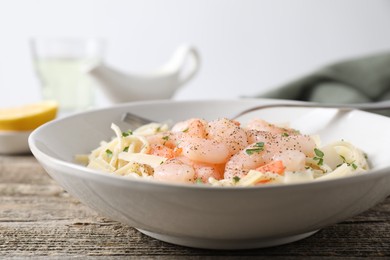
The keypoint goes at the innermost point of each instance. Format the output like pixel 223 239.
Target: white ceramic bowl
pixel 218 218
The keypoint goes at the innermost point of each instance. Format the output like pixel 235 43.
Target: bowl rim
pixel 104 177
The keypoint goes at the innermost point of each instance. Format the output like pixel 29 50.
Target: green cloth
pixel 363 79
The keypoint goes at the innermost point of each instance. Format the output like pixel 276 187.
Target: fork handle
pixel 381 105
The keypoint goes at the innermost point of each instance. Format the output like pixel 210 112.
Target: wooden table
pixel 38 218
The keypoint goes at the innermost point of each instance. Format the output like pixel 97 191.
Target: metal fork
pixel 136 120
pixel 374 106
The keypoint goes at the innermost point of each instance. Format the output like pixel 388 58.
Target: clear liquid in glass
pixel 66 80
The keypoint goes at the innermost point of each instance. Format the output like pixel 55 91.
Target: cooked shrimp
pixel 293 160
pixel 281 142
pixel 204 171
pixel 183 170
pixel 204 150
pixel 194 127
pixel 242 162
pixel 174 171
pixel 168 139
pixel 262 125
pixel 276 166
pixel 269 147
pixel 228 132
pixel 164 151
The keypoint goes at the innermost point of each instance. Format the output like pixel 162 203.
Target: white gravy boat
pixel 159 84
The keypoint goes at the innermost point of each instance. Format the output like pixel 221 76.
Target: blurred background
pixel 246 47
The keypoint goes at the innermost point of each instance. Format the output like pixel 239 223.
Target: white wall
pixel 247 46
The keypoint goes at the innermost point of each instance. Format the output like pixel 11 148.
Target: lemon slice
pixel 27 117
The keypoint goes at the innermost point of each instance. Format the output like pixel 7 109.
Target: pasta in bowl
pixel 222 152
pixel 222 213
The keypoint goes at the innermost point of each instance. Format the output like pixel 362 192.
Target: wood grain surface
pixel 39 219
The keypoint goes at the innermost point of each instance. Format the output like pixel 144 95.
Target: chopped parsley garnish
pixel 127 133
pixel 185 130
pixel 126 149
pixel 319 156
pixel 236 179
pixel 352 164
pixel 285 134
pixel 165 138
pixel 257 147
pixel 198 181
pixel 109 152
